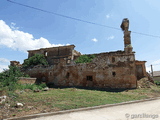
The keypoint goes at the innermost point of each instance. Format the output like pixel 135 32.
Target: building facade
pixel 117 69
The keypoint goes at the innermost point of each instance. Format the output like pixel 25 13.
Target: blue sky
pixel 23 29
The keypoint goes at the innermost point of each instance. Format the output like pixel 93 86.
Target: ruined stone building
pixel 117 69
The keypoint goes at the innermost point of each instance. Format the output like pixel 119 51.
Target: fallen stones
pixel 18 105
pixel 46 89
pixel 27 90
pixel 2 99
pixel 30 107
pixel 36 90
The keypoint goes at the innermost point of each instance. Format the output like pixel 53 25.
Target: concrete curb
pixel 80 109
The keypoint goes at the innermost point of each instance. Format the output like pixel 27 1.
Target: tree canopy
pixel 85 59
pixel 8 78
pixel 37 59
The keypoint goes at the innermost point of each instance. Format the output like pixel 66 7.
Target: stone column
pixel 127 38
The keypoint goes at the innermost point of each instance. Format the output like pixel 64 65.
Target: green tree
pixel 85 59
pixel 9 78
pixel 37 59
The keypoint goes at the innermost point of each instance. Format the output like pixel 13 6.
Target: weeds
pixel 9 78
pixel 30 86
pixel 9 82
pixel 85 58
pixel 157 82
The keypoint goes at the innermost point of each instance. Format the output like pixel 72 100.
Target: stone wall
pixel 56 55
pixel 15 63
pixel 140 69
pixel 24 80
pixel 107 70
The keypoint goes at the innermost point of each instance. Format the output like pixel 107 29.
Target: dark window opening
pixel 89 78
pixel 113 59
pixel 114 74
pixel 67 75
pixel 50 73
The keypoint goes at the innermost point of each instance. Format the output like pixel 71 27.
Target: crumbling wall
pixel 24 80
pixel 15 63
pixel 57 55
pixel 107 70
pixel 39 72
pixel 140 69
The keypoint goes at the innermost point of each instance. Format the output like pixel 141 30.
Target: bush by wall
pixel 85 59
pixel 37 59
pixel 9 78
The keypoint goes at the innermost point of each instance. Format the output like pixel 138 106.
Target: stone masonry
pixel 117 69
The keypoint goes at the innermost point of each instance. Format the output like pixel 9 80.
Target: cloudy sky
pixel 23 28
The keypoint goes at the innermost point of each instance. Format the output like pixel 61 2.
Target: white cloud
pixel 108 16
pixel 15 39
pixel 110 37
pixel 94 40
pixel 4 64
pixel 148 68
pixel 156 62
pixel 3 67
pixel 13 26
pixel 155 65
pixel 4 60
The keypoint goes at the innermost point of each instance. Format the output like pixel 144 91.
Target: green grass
pixel 157 82
pixel 30 86
pixel 71 98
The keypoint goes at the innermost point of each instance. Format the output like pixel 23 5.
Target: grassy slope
pixel 72 98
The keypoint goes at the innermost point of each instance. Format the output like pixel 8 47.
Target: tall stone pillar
pixel 127 38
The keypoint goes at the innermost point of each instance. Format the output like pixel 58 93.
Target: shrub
pixel 37 59
pixel 30 86
pixel 85 59
pixel 157 82
pixel 9 78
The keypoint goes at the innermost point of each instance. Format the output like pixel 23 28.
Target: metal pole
pixel 152 70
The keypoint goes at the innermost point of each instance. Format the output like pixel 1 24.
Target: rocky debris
pixel 19 91
pixel 30 107
pixel 145 83
pixel 150 78
pixel 37 90
pixel 44 111
pixel 2 99
pixel 18 105
pixel 4 111
pixel 46 89
pixel 27 90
